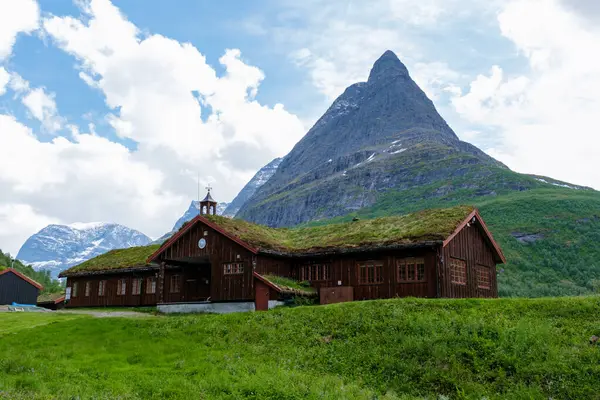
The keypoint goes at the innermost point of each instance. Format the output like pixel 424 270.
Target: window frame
pixel 322 272
pixel 376 266
pixel 403 264
pixel 87 288
pixel 235 268
pixel 151 285
pixel 175 278
pixel 463 263
pixel 136 283
pixel 101 288
pixel 122 287
pixel 488 273
pixel 74 289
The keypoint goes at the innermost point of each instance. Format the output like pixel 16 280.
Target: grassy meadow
pixel 389 349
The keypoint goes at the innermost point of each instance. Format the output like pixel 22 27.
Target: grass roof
pixel 49 297
pixel 422 226
pixel 115 259
pixel 289 285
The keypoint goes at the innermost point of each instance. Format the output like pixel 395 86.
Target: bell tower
pixel 208 206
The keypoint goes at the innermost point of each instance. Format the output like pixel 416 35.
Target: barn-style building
pixel 215 263
pixel 17 288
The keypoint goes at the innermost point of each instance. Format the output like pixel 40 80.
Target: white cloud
pixel 88 178
pixel 342 53
pixel 4 79
pixel 183 116
pixel 16 16
pixel 43 107
pixel 337 41
pixel 17 221
pixel 547 117
pixel 153 82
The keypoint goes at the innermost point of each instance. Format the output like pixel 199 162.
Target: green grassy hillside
pixel 390 349
pixel 561 258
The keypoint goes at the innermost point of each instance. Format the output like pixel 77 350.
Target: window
pixel 175 284
pixel 136 286
pixel 75 285
pixel 88 289
pixel 458 271
pixel 483 277
pixel 314 272
pixel 411 270
pixel 233 268
pixel 370 272
pixel 150 285
pixel 101 288
pixel 121 287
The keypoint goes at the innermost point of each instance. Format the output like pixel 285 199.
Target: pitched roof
pixel 20 275
pixel 423 228
pixel 208 197
pixel 51 298
pixel 426 227
pixel 114 260
pixel 286 285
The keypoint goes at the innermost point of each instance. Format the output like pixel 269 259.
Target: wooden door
pixel 261 296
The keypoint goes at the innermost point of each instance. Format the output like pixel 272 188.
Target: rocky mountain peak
pixel 58 247
pixel 387 66
pixel 381 135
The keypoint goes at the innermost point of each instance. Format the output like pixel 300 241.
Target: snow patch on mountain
pixel 58 247
pixel 83 226
pixel 259 179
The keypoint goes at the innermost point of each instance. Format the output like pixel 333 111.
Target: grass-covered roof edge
pixel 115 261
pixel 424 228
pixel 286 285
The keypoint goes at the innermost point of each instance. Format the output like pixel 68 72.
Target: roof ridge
pixel 22 276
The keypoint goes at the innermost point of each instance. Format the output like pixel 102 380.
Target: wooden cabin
pixel 213 259
pixel 51 301
pixel 17 288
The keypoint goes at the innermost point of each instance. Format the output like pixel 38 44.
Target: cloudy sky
pixel 109 110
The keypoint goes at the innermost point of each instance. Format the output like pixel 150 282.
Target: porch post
pixel 161 282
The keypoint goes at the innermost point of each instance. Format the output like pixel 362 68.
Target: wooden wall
pixel 15 289
pixel 470 246
pixel 219 250
pixel 344 272
pixel 193 264
pixel 111 298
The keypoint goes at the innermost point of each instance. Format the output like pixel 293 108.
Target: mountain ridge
pixel 259 179
pixel 57 247
pixel 382 149
pixel 373 136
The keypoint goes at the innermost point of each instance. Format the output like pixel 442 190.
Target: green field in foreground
pixel 401 348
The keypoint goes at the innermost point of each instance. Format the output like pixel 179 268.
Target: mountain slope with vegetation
pixel 549 235
pixel 43 277
pixel 385 349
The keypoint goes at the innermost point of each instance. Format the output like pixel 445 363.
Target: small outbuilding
pixel 51 301
pixel 18 288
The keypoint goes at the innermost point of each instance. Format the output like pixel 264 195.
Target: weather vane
pixel 209 188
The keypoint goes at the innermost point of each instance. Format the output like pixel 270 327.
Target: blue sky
pixel 109 110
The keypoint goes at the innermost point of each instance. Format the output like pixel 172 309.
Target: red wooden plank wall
pixel 470 246
pixel 219 250
pixel 111 298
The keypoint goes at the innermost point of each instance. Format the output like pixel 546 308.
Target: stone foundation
pixel 205 307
